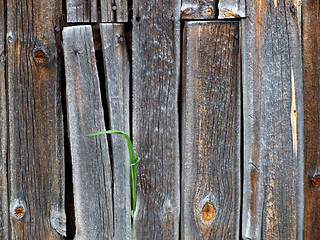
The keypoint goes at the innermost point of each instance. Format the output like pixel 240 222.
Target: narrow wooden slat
pixel 36 152
pixel 273 122
pixel 90 155
pixel 232 9
pixel 311 97
pixel 82 11
pixel 211 131
pixel 4 215
pixel 156 57
pixel 115 11
pixel 117 71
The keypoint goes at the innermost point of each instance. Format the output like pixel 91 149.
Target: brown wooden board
pixel 114 11
pixel 80 11
pixel 90 155
pixel 36 152
pixel 156 65
pixel 311 97
pixel 211 131
pixel 4 215
pixel 273 122
pixel 117 71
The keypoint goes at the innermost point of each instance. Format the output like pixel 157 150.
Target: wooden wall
pixel 220 99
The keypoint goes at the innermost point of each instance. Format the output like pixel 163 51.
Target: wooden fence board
pixel 4 215
pixel 116 11
pixel 311 97
pixel 36 152
pixel 156 64
pixel 90 155
pixel 273 122
pixel 117 71
pixel 211 131
pixel 82 11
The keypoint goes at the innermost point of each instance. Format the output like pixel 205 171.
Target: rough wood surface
pixel 199 9
pixel 117 71
pixel 156 65
pixel 4 215
pixel 115 11
pixel 211 131
pixel 90 155
pixel 232 9
pixel 311 97
pixel 273 122
pixel 36 153
pixel 79 11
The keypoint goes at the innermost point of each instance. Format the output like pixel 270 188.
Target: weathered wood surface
pixel 4 215
pixel 79 11
pixel 273 122
pixel 311 97
pixel 232 9
pixel 117 71
pixel 90 155
pixel 211 131
pixel 36 152
pixel 115 11
pixel 156 54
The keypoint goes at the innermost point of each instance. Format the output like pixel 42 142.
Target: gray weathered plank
pixel 82 11
pixel 117 71
pixel 211 131
pixel 90 155
pixel 273 122
pixel 36 152
pixel 156 64
pixel 311 106
pixel 4 215
pixel 115 11
pixel 232 9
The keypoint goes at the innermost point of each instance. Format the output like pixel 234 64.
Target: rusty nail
pixel 120 39
pixel 207 213
pixel 316 180
pixel 209 11
pixel 236 37
pixel 293 9
pixel 57 29
pixel 114 7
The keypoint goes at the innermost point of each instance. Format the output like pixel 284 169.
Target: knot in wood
pixel 40 56
pixel 207 213
pixel 316 180
pixel 208 11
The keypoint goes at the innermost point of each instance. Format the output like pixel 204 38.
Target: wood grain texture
pixel 311 97
pixel 82 11
pixel 117 71
pixel 199 9
pixel 156 65
pixel 211 131
pixel 273 122
pixel 4 215
pixel 90 155
pixel 36 152
pixel 114 11
pixel 232 9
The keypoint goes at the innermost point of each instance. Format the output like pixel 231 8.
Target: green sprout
pixel 133 171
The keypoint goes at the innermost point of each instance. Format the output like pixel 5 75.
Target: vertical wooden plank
pixel 211 131
pixel 117 71
pixel 232 9
pixel 4 215
pixel 156 65
pixel 90 155
pixel 36 152
pixel 114 11
pixel 311 97
pixel 82 11
pixel 273 122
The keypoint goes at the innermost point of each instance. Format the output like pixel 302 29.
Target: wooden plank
pixel 156 66
pixel 232 9
pixel 211 131
pixel 4 215
pixel 80 11
pixel 117 71
pixel 311 106
pixel 273 122
pixel 90 155
pixel 115 11
pixel 36 152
